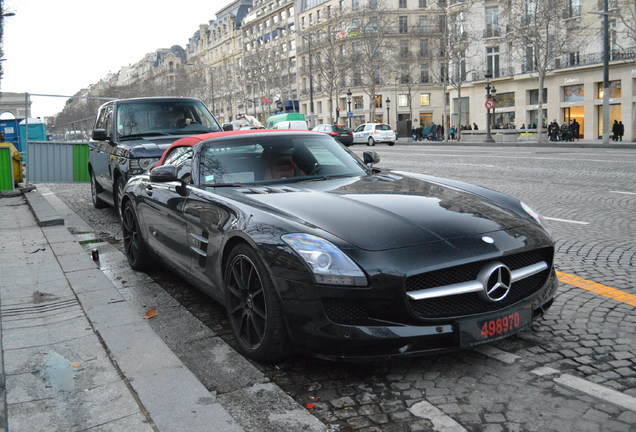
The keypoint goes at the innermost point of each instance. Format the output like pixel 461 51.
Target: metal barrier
pixel 57 162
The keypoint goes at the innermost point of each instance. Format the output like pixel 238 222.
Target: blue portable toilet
pixel 10 130
pixel 37 132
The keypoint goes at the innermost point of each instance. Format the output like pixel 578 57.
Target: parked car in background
pixel 372 133
pixel 130 135
pixel 262 221
pixel 338 131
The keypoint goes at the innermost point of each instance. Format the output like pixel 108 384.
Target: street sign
pixel 350 114
pixel 490 104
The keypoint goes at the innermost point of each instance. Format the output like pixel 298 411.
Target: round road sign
pixel 490 104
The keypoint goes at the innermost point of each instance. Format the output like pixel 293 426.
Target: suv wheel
pixel 118 194
pixel 95 189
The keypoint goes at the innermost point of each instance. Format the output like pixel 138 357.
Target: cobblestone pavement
pixel 589 196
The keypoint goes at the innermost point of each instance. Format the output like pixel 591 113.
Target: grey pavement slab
pixel 59 374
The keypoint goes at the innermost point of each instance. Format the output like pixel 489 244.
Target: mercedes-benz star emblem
pixel 496 280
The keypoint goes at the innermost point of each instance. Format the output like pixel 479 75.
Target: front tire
pixel 137 253
pixel 371 142
pixel 98 203
pixel 253 308
pixel 118 194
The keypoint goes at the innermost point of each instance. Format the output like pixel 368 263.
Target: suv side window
pixel 105 119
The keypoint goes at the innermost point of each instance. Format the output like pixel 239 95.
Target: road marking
pixel 597 288
pixel 441 422
pixel 622 192
pixel 566 220
pixel 587 387
pixel 497 354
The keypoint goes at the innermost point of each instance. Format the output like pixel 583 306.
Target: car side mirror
pixel 228 126
pixel 370 158
pixel 99 135
pixel 164 174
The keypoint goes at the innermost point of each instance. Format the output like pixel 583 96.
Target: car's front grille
pixel 471 303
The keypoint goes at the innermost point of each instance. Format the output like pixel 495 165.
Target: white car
pixel 371 133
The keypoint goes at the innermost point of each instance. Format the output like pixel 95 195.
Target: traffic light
pixel 337 112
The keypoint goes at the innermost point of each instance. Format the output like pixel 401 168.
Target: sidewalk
pixel 77 356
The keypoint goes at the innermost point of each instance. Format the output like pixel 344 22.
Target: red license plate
pixel 482 330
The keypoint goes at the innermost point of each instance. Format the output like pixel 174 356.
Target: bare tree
pixel 539 33
pixel 371 33
pixel 626 13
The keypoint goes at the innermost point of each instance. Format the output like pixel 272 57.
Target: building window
pixel 504 100
pixel 373 4
pixel 355 4
pixel 358 102
pixel 424 74
pixel 423 23
pixel 531 64
pixel 423 47
pixel 533 96
pixel 404 48
pixel 574 8
pixel 614 89
pixel 377 100
pixel 425 99
pixel 403 100
pixel 402 4
pixel 405 77
pixel 492 22
pixel 573 93
pixel 404 26
pixel 422 3
pixel 492 61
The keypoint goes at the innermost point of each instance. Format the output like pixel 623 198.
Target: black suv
pixel 130 136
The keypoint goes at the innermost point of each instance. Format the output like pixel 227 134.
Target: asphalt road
pixel 574 370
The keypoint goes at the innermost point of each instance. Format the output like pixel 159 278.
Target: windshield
pixel 383 127
pixel 164 118
pixel 265 158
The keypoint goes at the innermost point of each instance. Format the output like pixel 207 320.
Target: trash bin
pixel 10 166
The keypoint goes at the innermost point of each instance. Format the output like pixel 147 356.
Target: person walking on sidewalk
pixel 615 130
pixel 621 130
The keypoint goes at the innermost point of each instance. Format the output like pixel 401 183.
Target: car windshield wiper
pixel 216 185
pixel 143 134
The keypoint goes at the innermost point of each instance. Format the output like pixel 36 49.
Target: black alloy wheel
pixel 253 309
pixel 137 253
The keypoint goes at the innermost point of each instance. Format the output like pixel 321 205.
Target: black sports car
pixel 310 248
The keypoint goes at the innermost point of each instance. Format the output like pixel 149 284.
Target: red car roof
pixel 194 139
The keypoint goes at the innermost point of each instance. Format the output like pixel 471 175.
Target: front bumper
pixel 314 332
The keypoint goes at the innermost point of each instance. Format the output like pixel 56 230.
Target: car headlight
pixel 536 216
pixel 329 264
pixel 138 166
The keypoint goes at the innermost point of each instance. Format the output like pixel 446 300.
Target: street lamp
pixel 349 105
pixel 388 104
pixel 489 138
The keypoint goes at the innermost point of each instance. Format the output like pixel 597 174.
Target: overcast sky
pixel 61 46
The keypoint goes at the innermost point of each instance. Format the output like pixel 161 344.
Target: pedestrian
pixel 553 131
pixel 414 134
pixel 621 130
pixel 475 126
pixel 452 132
pixel 615 130
pixel 565 132
pixel 575 128
pixel 523 125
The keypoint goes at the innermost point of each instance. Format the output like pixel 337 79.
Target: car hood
pixel 386 211
pixel 148 146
